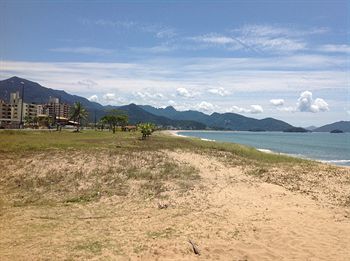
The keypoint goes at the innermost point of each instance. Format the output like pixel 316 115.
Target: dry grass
pixel 84 177
pixel 79 192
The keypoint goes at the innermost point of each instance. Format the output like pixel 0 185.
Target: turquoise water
pixel 326 147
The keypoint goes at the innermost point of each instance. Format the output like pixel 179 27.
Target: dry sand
pixel 228 214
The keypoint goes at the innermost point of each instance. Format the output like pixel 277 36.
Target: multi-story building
pixel 56 109
pixel 17 114
pixel 11 114
pixel 5 111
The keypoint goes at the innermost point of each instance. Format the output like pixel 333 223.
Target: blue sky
pixel 283 59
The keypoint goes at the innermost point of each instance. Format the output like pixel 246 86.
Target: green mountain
pixel 35 93
pixel 221 121
pixel 339 125
pixel 137 115
pixel 169 116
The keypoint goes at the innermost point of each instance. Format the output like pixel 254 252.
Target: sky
pixel 283 59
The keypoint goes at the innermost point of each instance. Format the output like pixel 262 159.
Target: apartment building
pixel 56 109
pixel 29 109
pixel 11 113
pixel 5 111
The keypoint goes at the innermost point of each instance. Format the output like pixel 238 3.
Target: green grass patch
pixel 121 142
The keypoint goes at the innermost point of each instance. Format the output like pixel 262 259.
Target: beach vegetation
pixel 146 129
pixel 78 113
pixel 115 118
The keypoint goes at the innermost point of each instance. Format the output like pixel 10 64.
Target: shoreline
pixel 329 162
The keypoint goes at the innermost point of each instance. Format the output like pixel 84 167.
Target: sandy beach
pixel 229 211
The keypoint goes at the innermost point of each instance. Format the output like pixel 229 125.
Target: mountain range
pixel 169 116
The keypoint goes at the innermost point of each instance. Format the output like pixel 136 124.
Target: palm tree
pixel 78 113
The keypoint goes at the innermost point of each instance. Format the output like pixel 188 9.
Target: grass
pixel 42 167
pixel 24 141
pixel 86 188
pixel 94 164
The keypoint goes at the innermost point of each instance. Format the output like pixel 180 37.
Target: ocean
pixel 333 148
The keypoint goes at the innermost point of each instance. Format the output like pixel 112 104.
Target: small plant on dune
pixel 147 129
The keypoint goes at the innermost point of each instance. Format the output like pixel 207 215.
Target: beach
pixel 127 199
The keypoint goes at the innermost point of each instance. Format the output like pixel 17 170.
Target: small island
pixel 336 131
pixel 257 130
pixel 296 129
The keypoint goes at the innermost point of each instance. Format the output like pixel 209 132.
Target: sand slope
pixel 229 215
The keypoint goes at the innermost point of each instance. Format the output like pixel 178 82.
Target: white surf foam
pixel 207 139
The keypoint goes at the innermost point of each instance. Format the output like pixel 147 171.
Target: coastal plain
pixel 103 196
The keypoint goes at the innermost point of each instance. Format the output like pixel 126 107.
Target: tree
pixel 122 120
pixel 115 118
pixel 78 113
pixel 146 129
pixel 28 121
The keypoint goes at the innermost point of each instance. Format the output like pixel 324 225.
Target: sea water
pixel 332 148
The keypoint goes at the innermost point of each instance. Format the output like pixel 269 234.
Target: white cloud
pixel 87 83
pixel 147 95
pixel 172 103
pixel 278 30
pixel 287 109
pixel 277 102
pixel 160 31
pixel 166 33
pixel 183 92
pixel 321 104
pixel 164 75
pixel 83 50
pixel 205 106
pixel 261 38
pixel 275 38
pixel 214 39
pixel 93 98
pixel 219 91
pixel 108 97
pixel 335 48
pixel 307 104
pixel 254 109
pixel 279 44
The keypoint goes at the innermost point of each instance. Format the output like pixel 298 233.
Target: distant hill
pixel 168 116
pixel 340 125
pixel 36 93
pixel 137 114
pixel 172 113
pixel 221 121
pixel 311 128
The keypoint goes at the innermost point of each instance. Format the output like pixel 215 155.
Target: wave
pixel 266 150
pixel 207 139
pixel 336 161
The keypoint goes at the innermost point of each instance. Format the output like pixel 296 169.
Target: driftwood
pixel 194 247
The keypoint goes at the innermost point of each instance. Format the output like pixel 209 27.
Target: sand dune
pixel 228 214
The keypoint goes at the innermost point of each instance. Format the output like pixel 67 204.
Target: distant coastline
pixel 265 142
